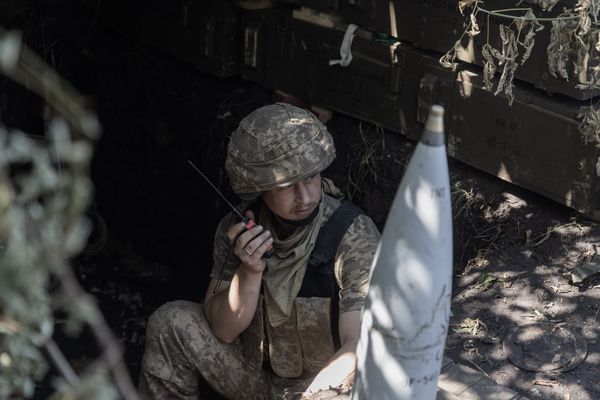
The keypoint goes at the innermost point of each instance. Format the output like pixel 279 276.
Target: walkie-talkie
pixel 248 222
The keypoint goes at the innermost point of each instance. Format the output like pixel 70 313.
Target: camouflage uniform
pixel 353 257
pixel 181 350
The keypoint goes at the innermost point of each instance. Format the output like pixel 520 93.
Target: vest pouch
pixel 285 353
pixel 314 328
pixel 252 340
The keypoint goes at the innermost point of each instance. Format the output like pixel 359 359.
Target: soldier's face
pixel 297 201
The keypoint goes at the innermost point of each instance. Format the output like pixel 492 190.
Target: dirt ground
pixel 514 256
pixel 513 250
pixel 513 268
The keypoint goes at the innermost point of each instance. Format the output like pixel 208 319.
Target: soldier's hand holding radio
pixel 251 244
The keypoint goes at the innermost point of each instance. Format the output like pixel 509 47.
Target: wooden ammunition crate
pixel 368 88
pixel 436 25
pixel 284 51
pixel 536 143
pixel 274 54
pixel 204 33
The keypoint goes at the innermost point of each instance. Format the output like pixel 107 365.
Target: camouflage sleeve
pixel 225 262
pixel 353 262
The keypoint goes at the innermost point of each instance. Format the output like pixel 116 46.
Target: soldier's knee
pixel 170 317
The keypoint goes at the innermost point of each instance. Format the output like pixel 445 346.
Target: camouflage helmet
pixel 276 146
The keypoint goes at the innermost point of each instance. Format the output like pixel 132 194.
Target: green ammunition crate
pixel 436 25
pixel 274 54
pixel 536 143
pixel 204 33
pixel 283 51
pixel 386 82
pixel 423 83
pixel 368 88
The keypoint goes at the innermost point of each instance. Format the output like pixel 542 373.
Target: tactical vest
pixel 311 336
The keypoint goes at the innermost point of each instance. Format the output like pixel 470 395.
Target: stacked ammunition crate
pixel 537 142
pixel 437 25
pixel 395 75
pixel 291 49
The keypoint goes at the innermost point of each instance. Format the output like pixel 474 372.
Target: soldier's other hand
pixel 251 244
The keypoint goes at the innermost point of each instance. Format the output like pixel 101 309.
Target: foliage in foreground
pixel 44 193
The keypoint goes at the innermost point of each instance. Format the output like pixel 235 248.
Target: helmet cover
pixel 276 146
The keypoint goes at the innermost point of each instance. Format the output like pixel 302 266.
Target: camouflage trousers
pixel 182 353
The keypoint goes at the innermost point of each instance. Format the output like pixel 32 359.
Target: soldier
pixel 278 327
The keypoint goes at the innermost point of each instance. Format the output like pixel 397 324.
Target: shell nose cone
pixel 433 135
